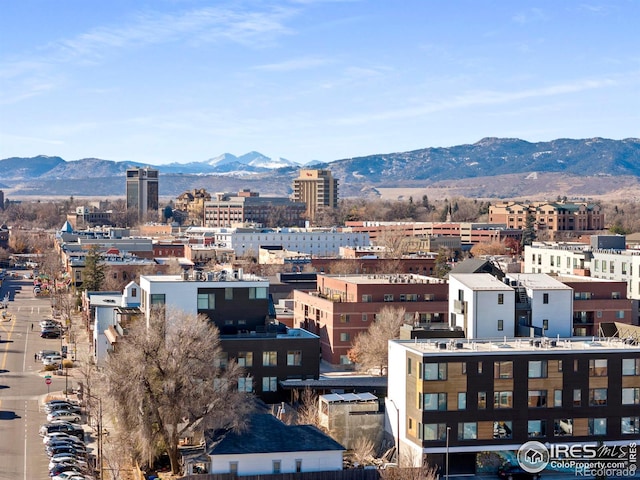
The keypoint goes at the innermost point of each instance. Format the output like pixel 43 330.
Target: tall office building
pixel 142 192
pixel 316 188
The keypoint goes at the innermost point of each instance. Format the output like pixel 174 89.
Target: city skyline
pixel 305 80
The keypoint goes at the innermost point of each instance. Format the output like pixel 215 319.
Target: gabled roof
pixel 266 434
pixel 66 227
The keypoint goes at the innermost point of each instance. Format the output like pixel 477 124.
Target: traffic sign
pixel 47 381
pixel 47 376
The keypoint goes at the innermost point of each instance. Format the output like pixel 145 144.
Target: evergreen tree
pixel 442 267
pixel 529 233
pixel 93 274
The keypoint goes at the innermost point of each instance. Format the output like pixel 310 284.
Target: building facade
pixel 316 189
pixel 474 397
pixel 142 192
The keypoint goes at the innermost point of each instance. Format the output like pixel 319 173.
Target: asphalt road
pixel 22 383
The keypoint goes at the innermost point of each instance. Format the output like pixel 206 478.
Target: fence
pixel 351 474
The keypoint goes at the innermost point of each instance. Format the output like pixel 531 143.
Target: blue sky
pixel 162 81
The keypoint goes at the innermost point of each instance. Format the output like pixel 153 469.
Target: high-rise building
pixel 316 188
pixel 142 191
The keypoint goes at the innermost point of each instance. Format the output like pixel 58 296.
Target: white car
pixel 57 436
pixel 71 459
pixel 52 360
pixel 64 415
pixel 69 476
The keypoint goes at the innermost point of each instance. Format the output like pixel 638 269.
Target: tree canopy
pixel 167 380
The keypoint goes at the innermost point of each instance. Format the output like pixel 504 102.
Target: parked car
pixel 42 354
pixel 69 449
pixel 52 360
pixel 67 458
pixel 48 323
pixel 516 472
pixel 50 333
pixel 70 428
pixel 80 447
pixel 64 415
pixel 59 436
pixel 63 406
pixel 69 475
pixel 64 467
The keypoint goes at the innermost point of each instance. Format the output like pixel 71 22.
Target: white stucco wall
pixel 262 463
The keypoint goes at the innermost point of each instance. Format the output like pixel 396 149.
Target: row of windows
pixel 535 428
pixel 270 358
pixel 535 399
pixel 536 368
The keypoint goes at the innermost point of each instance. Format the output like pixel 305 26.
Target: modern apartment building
pixel 226 209
pixel 317 189
pixel 142 192
pixel 552 217
pixel 464 398
pixel 342 306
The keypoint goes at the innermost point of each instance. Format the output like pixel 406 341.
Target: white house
pixel 269 446
pixel 482 305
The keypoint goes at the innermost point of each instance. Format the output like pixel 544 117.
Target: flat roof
pixel 348 397
pixel 383 278
pixel 511 346
pixel 480 281
pixel 538 281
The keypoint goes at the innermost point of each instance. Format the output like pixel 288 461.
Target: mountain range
pixel 490 168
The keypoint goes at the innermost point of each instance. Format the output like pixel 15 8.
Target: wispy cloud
pixel 303 63
pixel 529 16
pixel 479 98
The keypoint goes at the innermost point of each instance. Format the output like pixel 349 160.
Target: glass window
pixel 206 301
pixel 631 396
pixel 269 384
pixel 545 298
pixel 434 371
pixel 536 428
pixel 630 425
pixel 537 398
pixel 502 429
pixel 467 431
pixel 620 314
pixel 503 369
pixel 577 397
pixel 434 431
pixel 545 324
pixel 228 293
pixel 294 358
pixel 408 366
pixel 245 359
pixel 462 400
pixel 277 466
pixel 269 359
pixel 537 368
pixel 631 366
pixel 501 299
pixel 503 399
pixel 482 400
pixel 233 468
pixel 500 325
pixel 597 397
pixel 597 426
pixel 563 427
pixel 245 384
pixel 434 401
pixel 157 299
pixel 598 368
pixel 345 337
pixel 557 398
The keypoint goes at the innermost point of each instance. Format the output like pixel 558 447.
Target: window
pixel 233 468
pixel 157 299
pixel 388 297
pixel 298 465
pixel 277 466
pixel 597 426
pixel 631 366
pixel 245 359
pixel 537 398
pixel 364 317
pixel 479 368
pixel 482 400
pixel 577 397
pixel 598 368
pixel 221 360
pixel 620 314
pixel 503 370
pixel 294 358
pixel 501 299
pixel 462 400
pixel 597 397
pixel 432 431
pixel 537 369
pixel 269 384
pixel 434 371
pixel 557 398
pixel 467 431
pixel 631 396
pixel 409 366
pixel 536 428
pixel 245 384
pixel 344 318
pixel 563 427
pixel 258 293
pixel 269 359
pixel 228 293
pixel 559 365
pixel 134 292
pixel 345 337
pixel 629 425
pixel 545 298
pixel 500 325
pixel 502 429
pixel 206 301
pixel 545 324
pixel 367 298
pixel 434 401
pixel 503 399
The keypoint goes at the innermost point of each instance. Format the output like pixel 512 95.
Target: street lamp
pixel 446 456
pixel 397 431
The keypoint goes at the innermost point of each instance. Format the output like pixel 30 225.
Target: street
pixel 22 383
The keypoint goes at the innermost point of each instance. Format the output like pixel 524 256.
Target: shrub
pixel 50 368
pixel 67 363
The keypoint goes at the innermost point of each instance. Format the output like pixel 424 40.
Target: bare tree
pixel 423 472
pixel 307 408
pixel 164 384
pixel 370 348
pixel 363 451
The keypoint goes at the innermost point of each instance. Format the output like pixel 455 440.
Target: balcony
pixel 459 307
